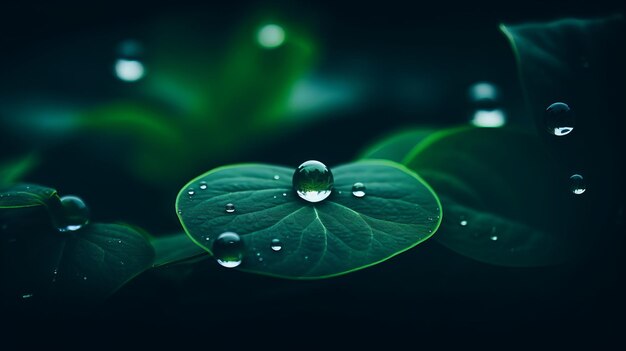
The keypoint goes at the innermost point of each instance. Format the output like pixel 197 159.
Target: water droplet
pixel 271 36
pixel 203 186
pixel 85 278
pixel 74 214
pixel 484 95
pixel 27 296
pixel 230 208
pixel 493 237
pixel 277 177
pixel 559 119
pixel 128 66
pixel 306 257
pixel 119 241
pixel 463 223
pixel 274 196
pixel 191 192
pixel 276 245
pixel 228 249
pixel 284 194
pixel 180 212
pixel 358 189
pixel 489 118
pixel 313 181
pixel 577 184
pixel 260 259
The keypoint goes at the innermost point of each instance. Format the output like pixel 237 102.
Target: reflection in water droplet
pixel 271 36
pixel 191 192
pixel 276 245
pixel 277 177
pixel 313 181
pixel 358 189
pixel 230 208
pixel 463 223
pixel 559 119
pixel 203 186
pixel 128 66
pixel 228 249
pixel 74 214
pixel 577 184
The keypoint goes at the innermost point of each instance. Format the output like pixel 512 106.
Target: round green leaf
pixel 341 234
pixel 506 200
pixel 25 195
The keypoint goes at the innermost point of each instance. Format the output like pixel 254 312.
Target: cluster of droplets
pixel 312 181
pixel 559 121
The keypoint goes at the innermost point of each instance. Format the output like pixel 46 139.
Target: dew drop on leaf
pixel 228 249
pixel 313 181
pixel 577 184
pixel 277 177
pixel 203 186
pixel 463 223
pixel 559 119
pixel 276 245
pixel 191 192
pixel 74 214
pixel 358 189
pixel 230 208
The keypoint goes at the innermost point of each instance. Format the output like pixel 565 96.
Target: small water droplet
pixel 284 194
pixel 85 278
pixel 74 214
pixel 228 249
pixel 493 237
pixel 191 192
pixel 27 296
pixel 306 257
pixel 119 241
pixel 277 177
pixel 463 223
pixel 203 186
pixel 276 245
pixel 260 259
pixel 122 263
pixel 559 119
pixel 128 66
pixel 230 208
pixel 274 196
pixel 313 181
pixel 577 184
pixel 358 189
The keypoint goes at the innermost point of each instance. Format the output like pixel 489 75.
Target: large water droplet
pixel 313 181
pixel 230 208
pixel 228 249
pixel 559 119
pixel 358 189
pixel 577 184
pixel 74 214
pixel 276 245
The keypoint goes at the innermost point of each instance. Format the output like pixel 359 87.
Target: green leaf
pixel 506 200
pixel 26 195
pixel 175 248
pixel 338 235
pixel 86 265
pixel 397 145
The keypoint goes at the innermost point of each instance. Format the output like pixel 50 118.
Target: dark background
pixel 442 298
